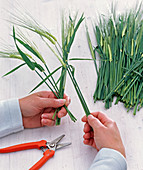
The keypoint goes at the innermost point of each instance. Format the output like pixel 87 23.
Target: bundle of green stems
pixel 120 50
pixel 32 55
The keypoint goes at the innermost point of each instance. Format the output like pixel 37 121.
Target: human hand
pixel 38 109
pixel 102 132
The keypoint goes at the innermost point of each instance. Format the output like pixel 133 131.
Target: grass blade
pixel 23 55
pixel 16 68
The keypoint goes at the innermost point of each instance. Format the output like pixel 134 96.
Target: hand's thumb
pixel 49 102
pixel 94 122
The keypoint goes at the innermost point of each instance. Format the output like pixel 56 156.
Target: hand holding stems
pixel 38 109
pixel 102 132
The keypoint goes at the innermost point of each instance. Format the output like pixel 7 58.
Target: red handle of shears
pixel 47 155
pixel 24 146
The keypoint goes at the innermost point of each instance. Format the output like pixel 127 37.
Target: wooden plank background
pixel 77 156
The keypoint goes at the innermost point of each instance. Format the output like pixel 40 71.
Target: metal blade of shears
pixel 59 146
pixel 56 141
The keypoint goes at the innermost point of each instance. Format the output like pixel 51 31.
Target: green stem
pixel 47 84
pixel 58 119
pixel 54 85
pixel 82 100
pixel 62 88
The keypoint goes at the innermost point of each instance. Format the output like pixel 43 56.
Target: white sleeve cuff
pixel 10 117
pixel 109 159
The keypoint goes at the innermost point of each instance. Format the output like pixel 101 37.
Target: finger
pixel 104 119
pixel 68 100
pixel 50 94
pixel 45 94
pixel 86 142
pixel 84 119
pixel 92 143
pixel 48 116
pixel 87 128
pixel 48 110
pixel 92 134
pixel 87 135
pixel 62 112
pixel 49 102
pixel 94 122
pixel 47 122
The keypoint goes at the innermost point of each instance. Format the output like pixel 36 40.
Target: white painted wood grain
pixel 77 156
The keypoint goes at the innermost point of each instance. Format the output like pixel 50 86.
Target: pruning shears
pixel 48 149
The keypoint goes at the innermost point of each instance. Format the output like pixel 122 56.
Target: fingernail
pixel 44 116
pixel 90 117
pixel 68 101
pixel 43 121
pixel 61 114
pixel 62 101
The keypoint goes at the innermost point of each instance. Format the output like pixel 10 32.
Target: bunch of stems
pixel 69 29
pixel 120 49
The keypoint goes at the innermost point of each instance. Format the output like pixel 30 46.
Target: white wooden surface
pixel 77 156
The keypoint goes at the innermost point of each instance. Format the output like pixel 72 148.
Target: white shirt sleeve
pixel 109 159
pixel 10 117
